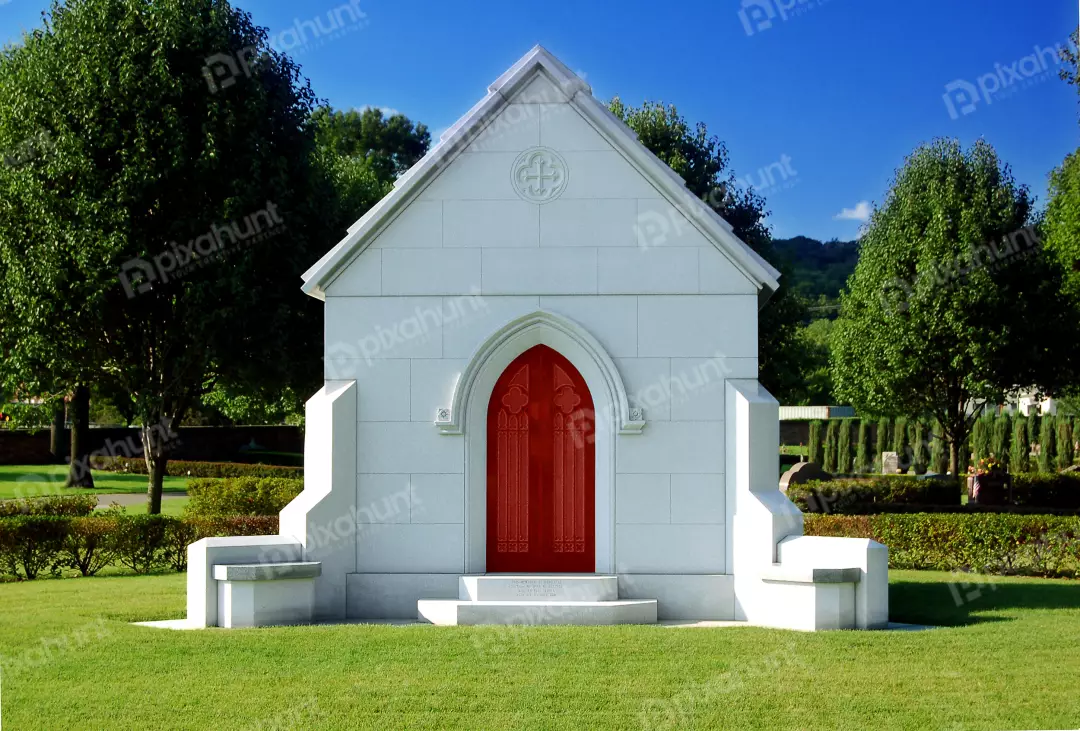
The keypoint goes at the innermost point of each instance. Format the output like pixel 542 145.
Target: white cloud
pixel 861 212
pixel 386 111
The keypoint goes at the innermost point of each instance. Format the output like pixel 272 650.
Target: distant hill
pixel 818 268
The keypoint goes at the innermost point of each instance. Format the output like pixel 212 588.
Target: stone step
pixel 538 588
pixel 449 612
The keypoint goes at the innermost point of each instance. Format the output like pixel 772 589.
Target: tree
pixel 843 447
pixel 864 461
pixel 389 146
pixel 832 433
pixel 900 443
pixel 920 458
pixel 1064 443
pixel 1047 444
pixel 939 458
pixel 981 438
pixel 702 161
pixel 882 441
pixel 1001 438
pixel 816 388
pixel 813 449
pixel 178 123
pixel 1020 450
pixel 952 304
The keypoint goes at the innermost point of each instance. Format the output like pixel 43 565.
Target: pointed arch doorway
pixel 541 468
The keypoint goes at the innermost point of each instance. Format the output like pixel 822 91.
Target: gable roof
pixel 458 137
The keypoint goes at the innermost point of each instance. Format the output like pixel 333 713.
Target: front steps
pixel 537 599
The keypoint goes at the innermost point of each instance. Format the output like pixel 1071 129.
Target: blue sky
pixel 825 96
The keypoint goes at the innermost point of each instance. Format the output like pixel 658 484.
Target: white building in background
pixel 541 403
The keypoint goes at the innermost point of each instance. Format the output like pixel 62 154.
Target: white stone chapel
pixel 541 403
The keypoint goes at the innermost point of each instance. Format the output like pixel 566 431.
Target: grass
pixel 35 480
pixel 1005 658
pixel 173 506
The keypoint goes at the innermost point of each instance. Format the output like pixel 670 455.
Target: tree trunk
pixel 157 443
pixel 79 465
pixel 57 432
pixel 954 459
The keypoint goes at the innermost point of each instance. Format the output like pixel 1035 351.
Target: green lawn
pixel 1006 659
pixel 35 480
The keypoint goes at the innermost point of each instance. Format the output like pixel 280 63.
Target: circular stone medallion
pixel 539 175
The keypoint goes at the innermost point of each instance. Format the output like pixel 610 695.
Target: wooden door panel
pixel 541 467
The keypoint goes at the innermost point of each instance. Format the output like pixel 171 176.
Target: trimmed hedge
pixel 1038 490
pixel 59 505
pixel 872 494
pixel 142 543
pixel 986 543
pixel 181 468
pixel 241 495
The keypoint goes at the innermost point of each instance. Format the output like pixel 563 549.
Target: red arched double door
pixel 541 468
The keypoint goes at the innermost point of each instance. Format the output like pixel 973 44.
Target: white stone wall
pixel 468 256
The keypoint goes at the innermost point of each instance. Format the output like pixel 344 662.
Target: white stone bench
pixel 816 598
pixel 264 594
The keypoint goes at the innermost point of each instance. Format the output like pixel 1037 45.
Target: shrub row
pixel 864 496
pixel 142 543
pixel 69 505
pixel 181 468
pixel 1035 443
pixel 1043 545
pixel 872 494
pixel 241 495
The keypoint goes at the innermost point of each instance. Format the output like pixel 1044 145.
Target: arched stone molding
pixel 468 417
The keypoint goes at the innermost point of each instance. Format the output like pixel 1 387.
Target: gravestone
pixel 802 473
pixel 890 463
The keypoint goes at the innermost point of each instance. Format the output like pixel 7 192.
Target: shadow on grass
pixel 965 600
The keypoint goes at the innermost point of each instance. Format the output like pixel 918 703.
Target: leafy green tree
pixel 157 240
pixel 1020 449
pixel 864 461
pixel 1061 222
pixel 952 302
pixel 816 388
pixel 832 437
pixel 702 161
pixel 1047 444
pixel 843 447
pixel 388 145
pixel 813 449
